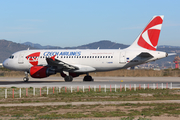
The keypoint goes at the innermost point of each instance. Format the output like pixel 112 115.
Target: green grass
pixel 51 112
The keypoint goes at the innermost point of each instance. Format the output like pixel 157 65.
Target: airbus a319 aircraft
pixel 74 62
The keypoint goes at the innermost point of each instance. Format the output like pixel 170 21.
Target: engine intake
pixel 41 71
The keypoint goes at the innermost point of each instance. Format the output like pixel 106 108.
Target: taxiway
pixel 102 81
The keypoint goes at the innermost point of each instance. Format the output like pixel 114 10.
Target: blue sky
pixel 76 22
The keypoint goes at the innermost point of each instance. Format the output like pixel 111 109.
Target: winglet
pixel 53 57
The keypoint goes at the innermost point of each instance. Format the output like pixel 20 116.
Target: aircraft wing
pixel 60 64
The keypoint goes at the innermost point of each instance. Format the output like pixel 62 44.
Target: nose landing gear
pixel 26 79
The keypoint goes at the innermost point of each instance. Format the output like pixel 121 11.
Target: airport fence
pixel 14 92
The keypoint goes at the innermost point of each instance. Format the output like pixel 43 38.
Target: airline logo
pixel 33 58
pixel 149 37
pixel 74 53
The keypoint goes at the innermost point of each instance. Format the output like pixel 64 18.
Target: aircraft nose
pixel 5 63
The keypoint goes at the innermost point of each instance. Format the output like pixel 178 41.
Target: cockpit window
pixel 11 57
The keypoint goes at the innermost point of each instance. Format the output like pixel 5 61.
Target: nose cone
pixel 5 63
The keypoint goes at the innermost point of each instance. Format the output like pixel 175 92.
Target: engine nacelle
pixel 41 71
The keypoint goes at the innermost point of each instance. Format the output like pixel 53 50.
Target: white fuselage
pixel 86 60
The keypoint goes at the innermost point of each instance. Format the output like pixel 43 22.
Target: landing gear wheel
pixel 68 78
pixel 88 78
pixel 25 79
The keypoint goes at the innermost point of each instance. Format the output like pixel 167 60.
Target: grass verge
pixel 93 111
pixel 119 95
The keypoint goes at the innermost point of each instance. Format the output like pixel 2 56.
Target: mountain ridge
pixel 103 44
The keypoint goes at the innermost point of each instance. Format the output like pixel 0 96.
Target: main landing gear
pixel 26 79
pixel 88 78
pixel 68 78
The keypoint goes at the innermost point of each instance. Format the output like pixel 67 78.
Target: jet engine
pixel 41 71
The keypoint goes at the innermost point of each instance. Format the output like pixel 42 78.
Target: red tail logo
pixel 150 35
pixel 33 58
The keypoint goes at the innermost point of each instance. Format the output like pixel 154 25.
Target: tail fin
pixel 148 39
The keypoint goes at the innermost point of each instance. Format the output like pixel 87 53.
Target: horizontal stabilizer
pixel 145 55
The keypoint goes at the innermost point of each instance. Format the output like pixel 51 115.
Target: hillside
pixel 103 44
pixel 8 47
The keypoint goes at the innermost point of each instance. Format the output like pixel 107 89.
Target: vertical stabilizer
pixel 148 39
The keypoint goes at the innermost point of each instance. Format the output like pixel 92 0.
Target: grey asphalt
pixel 102 81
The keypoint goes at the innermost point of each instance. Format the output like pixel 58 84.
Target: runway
pixel 102 81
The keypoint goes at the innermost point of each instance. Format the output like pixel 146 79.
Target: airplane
pixel 75 62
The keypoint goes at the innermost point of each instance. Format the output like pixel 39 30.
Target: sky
pixel 68 23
